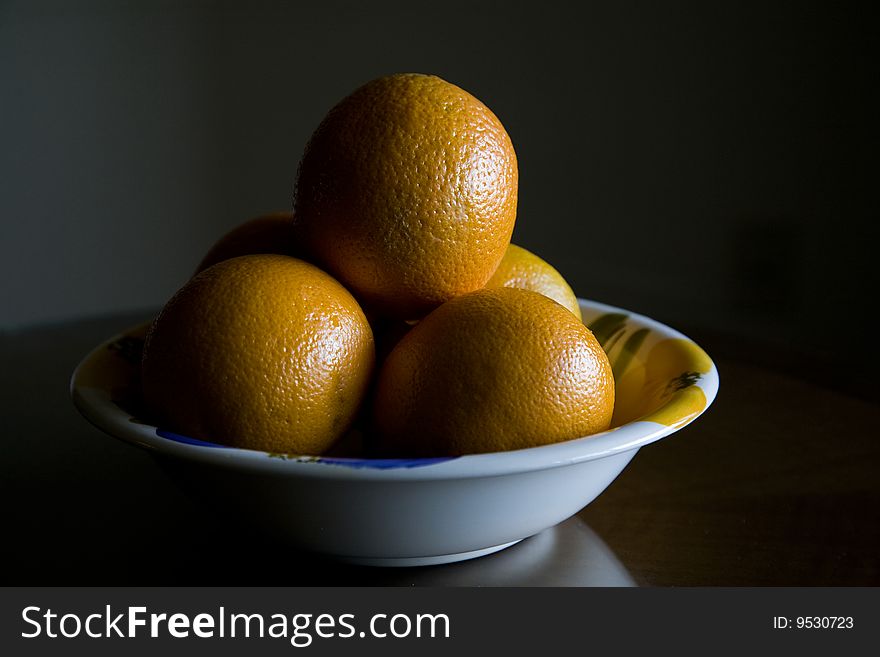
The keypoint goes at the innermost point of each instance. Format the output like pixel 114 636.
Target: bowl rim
pixel 96 405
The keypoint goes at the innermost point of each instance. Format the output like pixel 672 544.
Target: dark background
pixel 711 165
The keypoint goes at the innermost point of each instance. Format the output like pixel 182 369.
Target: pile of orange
pixel 390 296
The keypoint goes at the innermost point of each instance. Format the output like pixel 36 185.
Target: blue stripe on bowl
pixel 378 464
pixel 186 439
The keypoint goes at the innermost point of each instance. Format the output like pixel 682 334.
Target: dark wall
pixel 713 167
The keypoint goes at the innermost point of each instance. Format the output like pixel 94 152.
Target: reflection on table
pixel 570 554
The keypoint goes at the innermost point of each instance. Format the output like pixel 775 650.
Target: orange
pixel 524 270
pixel 407 193
pixel 269 233
pixel 265 352
pixel 489 371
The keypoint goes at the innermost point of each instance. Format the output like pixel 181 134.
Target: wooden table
pixel 777 484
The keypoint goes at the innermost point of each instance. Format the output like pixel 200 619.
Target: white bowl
pixel 403 512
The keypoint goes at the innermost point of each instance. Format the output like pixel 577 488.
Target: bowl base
pixel 402 562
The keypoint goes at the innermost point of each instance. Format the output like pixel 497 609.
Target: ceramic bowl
pixel 402 512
